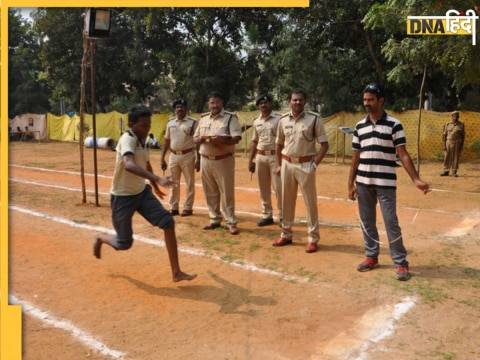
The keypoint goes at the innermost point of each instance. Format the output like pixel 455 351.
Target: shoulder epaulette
pixel 277 113
pixel 205 114
pixel 191 118
pixel 312 113
pixel 284 115
pixel 173 118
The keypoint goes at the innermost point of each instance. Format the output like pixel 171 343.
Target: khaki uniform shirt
pixel 298 135
pixel 224 123
pixel 454 131
pixel 265 131
pixel 180 133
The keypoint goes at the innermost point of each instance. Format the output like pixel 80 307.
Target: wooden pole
pixel 82 114
pixel 94 122
pixel 420 118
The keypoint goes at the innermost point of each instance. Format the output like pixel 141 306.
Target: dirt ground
pixel 250 300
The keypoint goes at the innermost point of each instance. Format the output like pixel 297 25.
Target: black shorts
pixel 123 209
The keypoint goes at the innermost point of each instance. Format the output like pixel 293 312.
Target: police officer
pixel 453 139
pixel 297 161
pixel 262 158
pixel 179 139
pixel 217 134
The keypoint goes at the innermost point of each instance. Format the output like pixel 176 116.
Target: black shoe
pixel 445 173
pixel 211 226
pixel 174 212
pixel 265 222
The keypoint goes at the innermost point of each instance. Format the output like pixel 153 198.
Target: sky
pixel 26 12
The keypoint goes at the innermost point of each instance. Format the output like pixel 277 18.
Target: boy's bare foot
pixel 97 246
pixel 179 276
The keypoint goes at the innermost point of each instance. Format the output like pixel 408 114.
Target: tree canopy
pixel 331 49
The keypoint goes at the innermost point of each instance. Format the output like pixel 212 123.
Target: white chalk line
pixel 88 339
pixel 36 183
pixel 187 250
pixel 57 171
pixel 384 330
pixel 374 326
pixel 464 227
pixel 342 226
pixel 247 189
pixel 79 334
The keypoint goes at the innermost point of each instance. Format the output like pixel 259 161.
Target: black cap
pixel 263 97
pixel 179 101
pixel 375 88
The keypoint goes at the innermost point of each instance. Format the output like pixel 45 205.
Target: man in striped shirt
pixel 377 140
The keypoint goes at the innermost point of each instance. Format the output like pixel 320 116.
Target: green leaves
pixel 331 49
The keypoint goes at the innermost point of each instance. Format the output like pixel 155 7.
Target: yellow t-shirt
pixel 125 183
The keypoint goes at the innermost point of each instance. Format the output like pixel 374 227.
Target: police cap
pixel 263 97
pixel 179 101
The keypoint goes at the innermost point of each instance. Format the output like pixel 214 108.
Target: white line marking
pixel 54 186
pixel 58 171
pixel 191 251
pixel 456 192
pixel 342 226
pixel 248 189
pixel 464 227
pixel 386 329
pixel 77 333
pixel 415 217
pixel 245 189
pixel 382 331
pixel 374 326
pixel 239 188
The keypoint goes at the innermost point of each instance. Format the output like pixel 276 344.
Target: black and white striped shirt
pixel 377 146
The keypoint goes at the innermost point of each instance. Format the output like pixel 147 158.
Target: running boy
pixel 129 193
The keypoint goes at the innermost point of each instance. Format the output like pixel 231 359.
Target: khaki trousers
pixel 294 176
pixel 452 156
pixel 218 181
pixel 178 165
pixel 268 180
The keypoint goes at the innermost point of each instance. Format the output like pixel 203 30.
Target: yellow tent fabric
pixel 429 144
